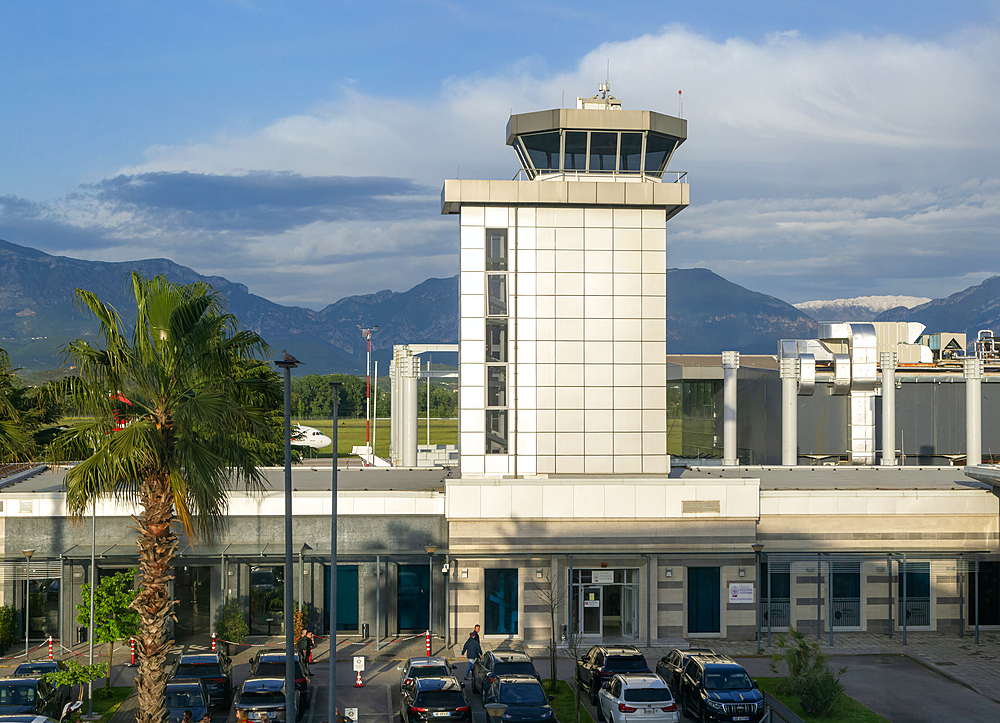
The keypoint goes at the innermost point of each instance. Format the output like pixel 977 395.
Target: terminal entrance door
pixel 192 588
pixel 704 600
pixel 605 603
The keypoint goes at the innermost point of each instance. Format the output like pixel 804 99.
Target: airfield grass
pixel 351 433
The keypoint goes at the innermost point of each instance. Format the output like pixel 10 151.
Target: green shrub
pixel 8 626
pixel 809 676
pixel 232 625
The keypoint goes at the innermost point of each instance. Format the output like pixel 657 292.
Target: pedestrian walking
pixel 475 631
pixel 471 650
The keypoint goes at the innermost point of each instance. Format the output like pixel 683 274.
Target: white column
pixel 887 359
pixel 730 368
pixel 409 370
pixel 973 411
pixel 789 411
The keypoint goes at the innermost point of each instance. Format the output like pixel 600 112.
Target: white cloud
pixel 851 163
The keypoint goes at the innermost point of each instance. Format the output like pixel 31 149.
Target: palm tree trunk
pixel 157 547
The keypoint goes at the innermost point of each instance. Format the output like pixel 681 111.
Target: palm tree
pixel 168 417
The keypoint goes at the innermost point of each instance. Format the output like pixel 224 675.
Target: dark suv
pixel 715 688
pixel 270 663
pixel 500 662
pixel 215 670
pixel 602 662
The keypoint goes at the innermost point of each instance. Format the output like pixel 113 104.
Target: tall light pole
pixel 27 598
pixel 286 365
pixel 332 612
pixel 431 549
pixel 367 334
pixel 757 547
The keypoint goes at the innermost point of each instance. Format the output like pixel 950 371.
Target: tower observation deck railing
pixel 570 174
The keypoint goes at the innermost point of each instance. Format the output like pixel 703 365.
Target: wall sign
pixel 602 577
pixel 741 592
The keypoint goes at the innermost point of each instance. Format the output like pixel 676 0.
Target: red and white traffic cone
pixel 359 683
pixel 213 642
pixel 50 647
pixel 428 643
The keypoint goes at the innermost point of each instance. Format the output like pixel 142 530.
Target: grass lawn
pixel 106 707
pixel 849 710
pixel 563 705
pixel 351 433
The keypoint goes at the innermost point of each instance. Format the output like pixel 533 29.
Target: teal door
pixel 704 600
pixel 412 598
pixel 347 597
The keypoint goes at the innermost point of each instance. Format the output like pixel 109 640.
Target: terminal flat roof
pixel 304 478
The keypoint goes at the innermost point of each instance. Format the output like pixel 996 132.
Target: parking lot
pixel 896 686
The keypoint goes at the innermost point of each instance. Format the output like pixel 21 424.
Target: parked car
pixel 500 662
pixel 39 667
pixel 433 667
pixel 263 699
pixel 270 663
pixel 715 688
pixel 215 670
pixel 671 666
pixel 32 694
pixel 602 662
pixel 646 697
pixel 424 699
pixel 186 694
pixel 523 695
pixel 27 718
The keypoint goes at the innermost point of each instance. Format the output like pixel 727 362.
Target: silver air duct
pixel 973 411
pixel 888 362
pixel 730 366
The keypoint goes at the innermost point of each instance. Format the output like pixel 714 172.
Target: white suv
pixel 633 697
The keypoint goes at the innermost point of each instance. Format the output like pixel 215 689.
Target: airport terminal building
pixel 571 499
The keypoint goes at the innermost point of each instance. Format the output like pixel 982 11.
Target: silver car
pixel 433 667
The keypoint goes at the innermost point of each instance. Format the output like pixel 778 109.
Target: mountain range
pixel 706 313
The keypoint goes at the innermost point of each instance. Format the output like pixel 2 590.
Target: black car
pixel 671 666
pixel 32 694
pixel 263 699
pixel 215 670
pixel 270 663
pixel 185 694
pixel 715 688
pixel 39 667
pixel 424 699
pixel 500 662
pixel 602 662
pixel 523 695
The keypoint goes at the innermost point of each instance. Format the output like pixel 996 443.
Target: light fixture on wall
pixel 465 572
pixel 668 572
pixel 538 572
pixel 743 572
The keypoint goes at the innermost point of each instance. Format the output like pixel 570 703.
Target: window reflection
pixel 658 149
pixel 496 386
pixel 496 249
pixel 603 152
pixel 496 291
pixel 496 340
pixel 496 431
pixel 543 150
pixel 631 152
pixel 576 151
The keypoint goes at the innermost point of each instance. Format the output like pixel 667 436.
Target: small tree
pixel 76 674
pixel 553 597
pixel 114 619
pixel 809 676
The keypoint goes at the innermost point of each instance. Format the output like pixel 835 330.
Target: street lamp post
pixel 431 549
pixel 332 612
pixel 757 547
pixel 286 365
pixel 367 334
pixel 27 598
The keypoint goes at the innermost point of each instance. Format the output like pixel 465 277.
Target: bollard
pixel 50 647
pixel 213 642
pixel 131 643
pixel 428 643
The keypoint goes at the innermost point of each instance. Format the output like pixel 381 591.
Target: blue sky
pixel 835 149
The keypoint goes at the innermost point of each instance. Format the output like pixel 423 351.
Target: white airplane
pixel 309 437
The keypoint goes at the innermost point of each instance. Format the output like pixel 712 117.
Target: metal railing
pixel 779 613
pixel 532 174
pixel 846 612
pixel 918 611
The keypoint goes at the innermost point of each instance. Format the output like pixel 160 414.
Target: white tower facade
pixel 562 350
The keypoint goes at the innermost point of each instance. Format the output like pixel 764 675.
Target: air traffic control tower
pixel 563 295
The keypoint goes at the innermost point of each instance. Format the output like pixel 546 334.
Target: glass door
pixel 630 611
pixel 591 610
